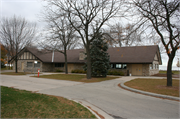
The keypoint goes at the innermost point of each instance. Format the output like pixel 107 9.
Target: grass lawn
pixel 24 104
pixel 19 73
pixel 164 72
pixel 155 86
pixel 74 77
pixel 13 73
pixel 5 68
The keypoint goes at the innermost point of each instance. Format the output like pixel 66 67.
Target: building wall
pixel 47 67
pixel 58 68
pixel 128 71
pixel 75 66
pixel 145 69
pixel 22 66
pixel 154 68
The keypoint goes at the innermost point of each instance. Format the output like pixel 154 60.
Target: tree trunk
pixel 66 69
pixel 169 71
pixel 88 63
pixel 16 59
pixel 16 63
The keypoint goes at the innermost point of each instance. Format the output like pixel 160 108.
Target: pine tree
pixel 99 57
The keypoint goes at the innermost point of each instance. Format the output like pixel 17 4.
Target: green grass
pixel 13 73
pixel 19 73
pixel 155 86
pixel 6 68
pixel 164 72
pixel 24 104
pixel 78 78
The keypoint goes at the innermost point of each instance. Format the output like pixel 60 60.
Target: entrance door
pixel 22 66
pixel 137 69
pixel 70 67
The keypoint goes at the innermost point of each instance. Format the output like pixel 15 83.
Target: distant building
pixel 135 60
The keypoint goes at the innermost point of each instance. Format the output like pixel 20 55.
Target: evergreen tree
pixel 99 57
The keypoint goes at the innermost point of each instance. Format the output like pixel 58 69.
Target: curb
pixel 150 94
pixel 87 108
pixel 94 110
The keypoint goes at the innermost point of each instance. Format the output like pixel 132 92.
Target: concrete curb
pixel 150 94
pixel 94 110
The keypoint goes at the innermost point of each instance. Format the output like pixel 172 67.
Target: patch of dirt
pixel 136 87
pixel 34 91
pixel 85 79
pixel 166 87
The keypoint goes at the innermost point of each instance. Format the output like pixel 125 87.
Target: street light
pixel 35 62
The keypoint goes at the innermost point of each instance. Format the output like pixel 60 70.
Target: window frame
pixel 58 65
pixel 29 65
pixel 118 66
pixel 124 65
pixel 37 65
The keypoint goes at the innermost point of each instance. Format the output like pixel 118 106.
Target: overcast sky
pixel 30 9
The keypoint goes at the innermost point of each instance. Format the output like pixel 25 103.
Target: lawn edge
pixel 149 93
pixel 94 112
pixel 91 110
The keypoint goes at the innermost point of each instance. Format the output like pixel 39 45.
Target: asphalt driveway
pixel 105 95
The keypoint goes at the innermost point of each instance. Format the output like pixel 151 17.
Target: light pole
pixel 35 62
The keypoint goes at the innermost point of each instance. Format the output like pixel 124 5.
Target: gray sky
pixel 30 9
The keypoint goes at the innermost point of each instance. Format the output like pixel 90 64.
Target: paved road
pixel 105 95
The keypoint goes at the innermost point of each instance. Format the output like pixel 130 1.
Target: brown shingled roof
pixel 134 54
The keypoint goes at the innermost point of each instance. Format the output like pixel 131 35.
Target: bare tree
pixel 59 35
pixel 124 35
pixel 87 17
pixel 116 32
pixel 164 17
pixel 15 34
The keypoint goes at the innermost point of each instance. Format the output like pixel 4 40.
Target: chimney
pixel 81 55
pixel 53 56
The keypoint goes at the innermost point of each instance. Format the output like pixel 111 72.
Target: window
pixel 59 65
pixel 37 64
pixel 112 66
pixel 154 66
pixel 118 66
pixel 157 66
pixel 124 66
pixel 29 64
pixel 150 66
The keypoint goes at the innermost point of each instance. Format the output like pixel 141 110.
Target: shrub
pixel 2 64
pixel 78 71
pixel 58 70
pixel 120 73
